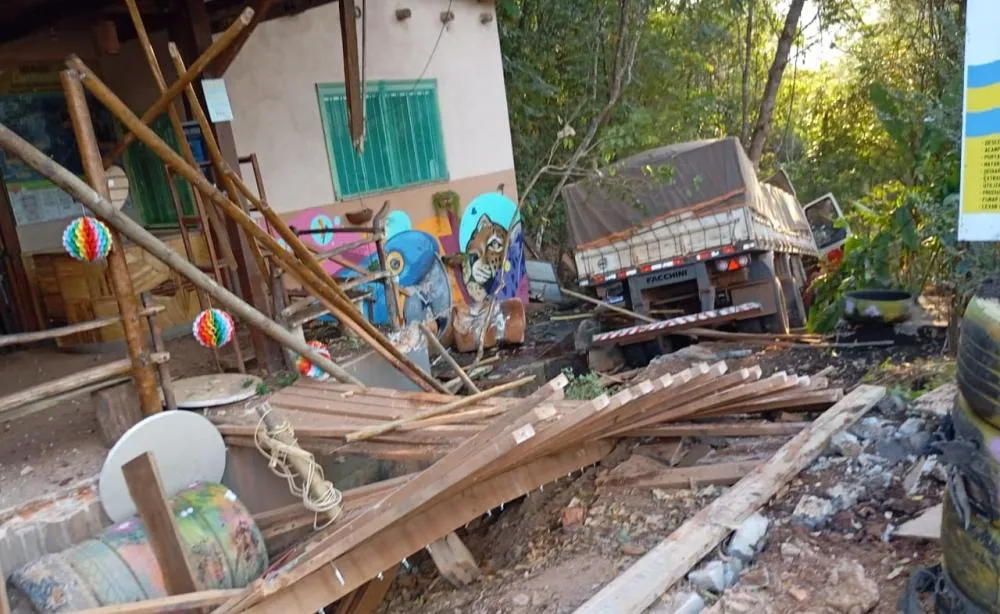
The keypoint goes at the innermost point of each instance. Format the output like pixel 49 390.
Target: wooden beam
pixel 146 488
pixel 738 428
pixel 72 329
pixel 381 429
pixel 75 381
pixel 722 474
pixel 442 351
pixel 643 583
pixel 453 560
pixel 118 273
pixel 352 71
pixel 416 530
pixel 594 301
pixel 173 603
pixel 368 598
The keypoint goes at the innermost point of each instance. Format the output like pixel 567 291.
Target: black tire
pixel 979 358
pixel 969 557
pixel 974 454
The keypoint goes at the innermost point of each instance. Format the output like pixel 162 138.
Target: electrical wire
pixel 427 64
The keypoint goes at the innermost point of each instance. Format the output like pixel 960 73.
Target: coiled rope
pixel 287 460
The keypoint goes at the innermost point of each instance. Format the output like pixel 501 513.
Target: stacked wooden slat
pixel 323 414
pixel 527 443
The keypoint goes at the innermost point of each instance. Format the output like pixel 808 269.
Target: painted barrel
pixel 978 374
pixel 223 544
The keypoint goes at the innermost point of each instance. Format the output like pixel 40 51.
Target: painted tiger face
pixel 485 250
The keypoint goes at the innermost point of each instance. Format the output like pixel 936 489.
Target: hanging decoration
pixel 213 328
pixel 310 370
pixel 87 239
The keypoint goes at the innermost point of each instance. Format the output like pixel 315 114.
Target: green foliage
pixel 583 387
pixel 446 201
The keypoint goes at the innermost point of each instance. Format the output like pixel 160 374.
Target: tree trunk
pixel 774 75
pixel 745 88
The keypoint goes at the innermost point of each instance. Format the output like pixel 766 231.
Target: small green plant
pixel 446 201
pixel 247 382
pixel 583 387
pixel 262 389
pixel 287 378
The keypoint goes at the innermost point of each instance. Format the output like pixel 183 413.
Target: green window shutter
pixel 403 141
pixel 148 180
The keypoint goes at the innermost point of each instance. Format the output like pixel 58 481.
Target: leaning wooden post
pixel 433 342
pixel 144 239
pixel 166 382
pixel 121 281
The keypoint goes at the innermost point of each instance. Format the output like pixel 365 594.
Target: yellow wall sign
pixel 979 218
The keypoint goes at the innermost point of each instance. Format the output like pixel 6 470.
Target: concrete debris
pixel 892 404
pixel 912 481
pixel 937 402
pixel 891 450
pixel 748 540
pixel 521 600
pixel 845 496
pixel 679 603
pixel 812 512
pixel 871 428
pixel 799 594
pixel 790 550
pixel 925 526
pixel 911 426
pixel 711 577
pixel 849 590
pixel 633 549
pixel 743 602
pixel 846 444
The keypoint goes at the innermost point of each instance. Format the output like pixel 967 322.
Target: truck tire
pixel 979 358
pixel 762 268
pixel 974 454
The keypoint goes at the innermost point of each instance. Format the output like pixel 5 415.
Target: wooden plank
pixel 434 483
pixel 72 329
pixel 642 583
pixel 368 598
pixel 173 603
pixel 352 70
pixel 721 429
pixel 4 601
pixel 345 573
pixel 146 488
pixel 453 560
pixel 117 411
pixel 722 474
pixel 75 381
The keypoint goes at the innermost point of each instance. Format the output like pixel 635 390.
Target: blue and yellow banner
pixel 979 218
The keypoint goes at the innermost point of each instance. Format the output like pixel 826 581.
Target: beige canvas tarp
pixel 699 176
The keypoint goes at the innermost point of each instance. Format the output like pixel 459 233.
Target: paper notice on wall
pixel 217 100
pixel 979 216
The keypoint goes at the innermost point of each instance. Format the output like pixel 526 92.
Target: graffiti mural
pixel 416 255
pixel 483 232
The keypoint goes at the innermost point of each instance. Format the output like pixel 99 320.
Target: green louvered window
pixel 148 185
pixel 403 145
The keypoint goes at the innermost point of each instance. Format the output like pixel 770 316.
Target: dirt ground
pixel 59 445
pixel 532 559
pixel 533 562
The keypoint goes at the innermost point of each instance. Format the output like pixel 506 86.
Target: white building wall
pixel 272 86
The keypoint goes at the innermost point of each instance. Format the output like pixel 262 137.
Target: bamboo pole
pixel 185 148
pixel 345 309
pixel 183 80
pixel 80 379
pixel 594 301
pixel 388 427
pixel 121 279
pixel 322 286
pixel 440 349
pixel 144 239
pixel 65 331
pixel 214 152
pixel 37 406
pixel 166 382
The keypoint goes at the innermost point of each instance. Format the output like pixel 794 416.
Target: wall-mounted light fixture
pixel 485 17
pixel 403 14
pixel 447 17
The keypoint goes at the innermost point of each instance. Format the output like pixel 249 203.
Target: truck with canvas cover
pixel 689 228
